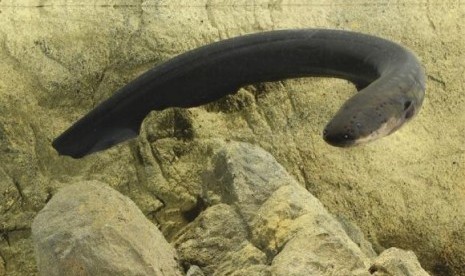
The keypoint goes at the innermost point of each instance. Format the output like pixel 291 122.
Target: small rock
pixel 195 271
pixel 395 261
pixel 90 229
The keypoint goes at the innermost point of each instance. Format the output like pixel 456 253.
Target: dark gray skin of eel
pixel 390 80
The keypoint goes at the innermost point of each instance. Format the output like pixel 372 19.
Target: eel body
pixel 390 80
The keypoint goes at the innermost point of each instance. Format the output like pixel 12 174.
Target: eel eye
pixel 409 109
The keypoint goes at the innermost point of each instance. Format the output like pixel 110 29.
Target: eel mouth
pixel 346 137
pixel 339 139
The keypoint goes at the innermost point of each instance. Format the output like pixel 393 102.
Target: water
pixel 60 59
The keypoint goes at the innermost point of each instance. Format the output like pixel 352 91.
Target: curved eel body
pixel 390 80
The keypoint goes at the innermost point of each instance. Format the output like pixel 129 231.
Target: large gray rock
pixel 284 219
pixel 90 229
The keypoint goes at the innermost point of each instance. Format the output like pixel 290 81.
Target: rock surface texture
pixel 256 220
pixel 394 261
pixel 60 58
pixel 268 224
pixel 90 229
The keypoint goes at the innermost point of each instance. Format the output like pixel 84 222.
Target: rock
pixel 90 229
pixel 246 260
pixel 246 176
pixel 267 223
pixel 394 261
pixel 195 271
pixel 356 234
pixel 211 237
pixel 263 222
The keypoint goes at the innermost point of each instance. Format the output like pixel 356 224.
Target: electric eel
pixel 389 79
